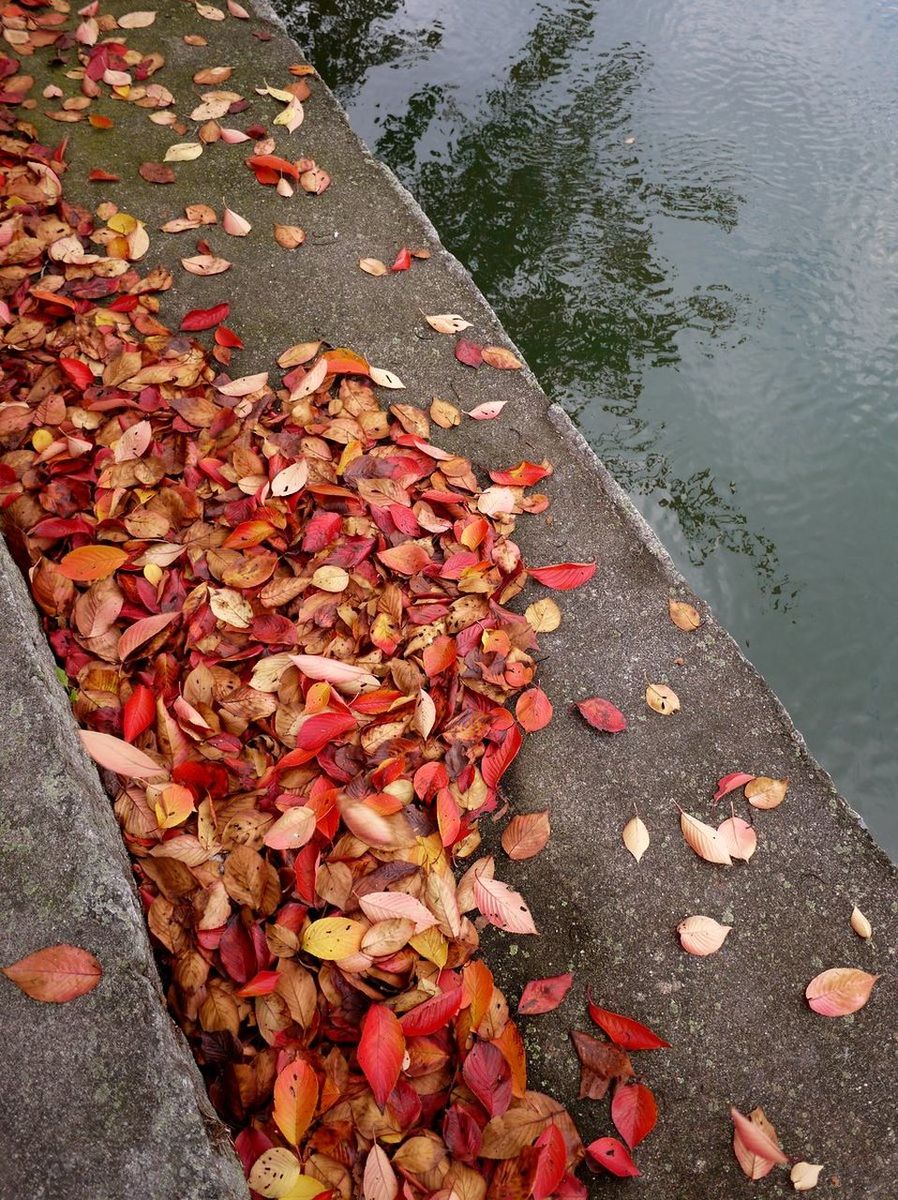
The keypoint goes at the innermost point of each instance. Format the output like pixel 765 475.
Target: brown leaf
pixel 764 792
pixel 684 615
pixel 154 172
pixel 600 1063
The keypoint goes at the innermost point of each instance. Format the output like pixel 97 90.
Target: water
pixel 686 213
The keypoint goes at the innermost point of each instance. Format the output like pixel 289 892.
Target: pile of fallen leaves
pixel 283 615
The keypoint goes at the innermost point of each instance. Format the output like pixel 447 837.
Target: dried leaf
pixel 805 1176
pixel 234 224
pixel 385 379
pixel 533 710
pixel 563 577
pixel 624 1031
pixel 611 1154
pixel 755 1139
pixel 373 266
pixel 702 935
pixel 205 264
pixel 55 974
pixel 381 1051
pixel 499 357
pixel 183 152
pixel 600 1063
pixel 764 792
pixel 860 924
pixel 636 837
pixel 89 563
pixel 544 995
pixel 543 616
pixel 634 1112
pixel 115 755
pixel 447 323
pixel 729 783
pixel 753 1165
pixel 295 1100
pixel 526 835
pixel 704 840
pixel 602 714
pixel 488 411
pixel 684 615
pixel 662 699
pixel 502 906
pixel 840 991
pixel 738 837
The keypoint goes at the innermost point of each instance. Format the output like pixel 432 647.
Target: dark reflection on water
pixel 686 214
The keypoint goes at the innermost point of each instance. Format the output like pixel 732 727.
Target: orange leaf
pixel 533 709
pixel 525 835
pixel 295 1100
pixel 89 563
pixel 141 631
pixel 56 973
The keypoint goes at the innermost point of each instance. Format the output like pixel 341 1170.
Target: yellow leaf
pixel 295 1100
pixel 543 616
pixel 683 615
pixel 274 1173
pixel 444 414
pixel 431 945
pixel 174 804
pixel 330 579
pixel 373 266
pixel 333 938
pixel 662 699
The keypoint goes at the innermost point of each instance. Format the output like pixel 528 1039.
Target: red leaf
pixel 262 984
pixel 487 1074
pixel 601 714
pixel 551 1165
pixel 403 260
pixel 624 1031
pixel 95 175
pixel 227 337
pixel 468 353
pixel 729 783
pixel 434 1014
pixel 634 1112
pixel 611 1154
pixel 498 758
pixel 381 1050
pixel 205 318
pixel 408 559
pixel 525 474
pixel 139 711
pixel 295 1100
pixel 56 973
pixel 563 577
pixel 141 631
pixel 533 709
pixel 544 995
pixel 78 372
pixel 315 733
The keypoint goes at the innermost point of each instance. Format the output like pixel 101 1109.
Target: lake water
pixel 686 214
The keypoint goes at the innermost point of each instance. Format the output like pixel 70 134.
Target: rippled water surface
pixel 686 213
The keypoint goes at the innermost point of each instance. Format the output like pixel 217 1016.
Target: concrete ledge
pixel 101 1096
pixel 740 1028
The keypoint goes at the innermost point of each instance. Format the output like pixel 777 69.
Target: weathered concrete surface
pixel 739 1026
pixel 101 1097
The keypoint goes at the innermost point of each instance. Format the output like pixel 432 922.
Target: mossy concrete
pixel 741 1030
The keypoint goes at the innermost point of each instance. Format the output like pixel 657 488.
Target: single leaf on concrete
pixel 729 783
pixel 115 755
pixel 600 1063
pixel 602 714
pixel 634 1112
pixel 526 835
pixel 488 411
pixel 447 322
pixel 614 1156
pixel 381 1050
pixel 840 991
pixel 683 615
pixel 544 995
pixel 55 974
pixel 860 924
pixel 624 1031
pixel 636 837
pixel 753 1165
pixel 374 266
pixel 563 577
pixel 295 1100
pixel 702 935
pixel 662 699
pixel 805 1175
pixel 756 1139
pixel 764 792
pixel 500 358
pixel 234 224
pixel 704 840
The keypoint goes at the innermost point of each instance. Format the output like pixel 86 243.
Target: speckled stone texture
pixel 739 1025
pixel 101 1099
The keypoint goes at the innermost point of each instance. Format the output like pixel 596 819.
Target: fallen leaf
pixel 90 563
pixel 295 1100
pixel 381 1050
pixel 738 837
pixel 444 414
pixel 704 840
pixel 624 1031
pixel 205 264
pixel 600 1063
pixel 840 991
pixel 525 835
pixel 136 20
pixel 662 699
pixel 614 1156
pixel 805 1175
pixel 500 358
pixel 183 152
pixel 683 615
pixel 289 237
pixel 333 938
pixel 55 974
pixel 205 318
pixel 154 172
pixel 543 616
pixel 385 378
pixel 502 906
pixel 860 924
pixel 702 935
pixel 275 1173
pixel 488 411
pixel 533 710
pixel 764 792
pixel 729 783
pixel 755 1139
pixel 373 266
pixel 290 480
pixel 234 224
pixel 563 577
pixel 544 995
pixel 753 1165
pixel 602 714
pixel 118 756
pixel 636 837
pixel 468 353
pixel 634 1112
pixel 447 323
pixel 379 1181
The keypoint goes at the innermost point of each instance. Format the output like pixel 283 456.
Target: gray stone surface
pixel 740 1028
pixel 101 1099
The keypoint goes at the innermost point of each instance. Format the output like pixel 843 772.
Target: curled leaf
pixel 602 714
pixel 704 840
pixel 756 1139
pixel 447 323
pixel 488 411
pixel 729 783
pixel 860 924
pixel 625 1031
pixel 662 699
pixel 563 577
pixel 614 1156
pixel 804 1175
pixel 234 224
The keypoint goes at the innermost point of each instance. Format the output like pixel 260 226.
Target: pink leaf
pixel 544 995
pixel 502 906
pixel 115 755
pixel 56 973
pixel 614 1156
pixel 755 1139
pixel 840 991
pixel 729 783
pixel 488 411
pixel 634 1112
pixel 141 631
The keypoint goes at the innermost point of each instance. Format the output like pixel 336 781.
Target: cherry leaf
pixel 115 755
pixel 634 1112
pixel 55 974
pixel 729 783
pixel 544 995
pixel 702 935
pixel 840 991
pixel 602 714
pixel 379 1181
pixel 502 906
pixel 381 1050
pixel 526 835
pixel 755 1139
pixel 563 577
pixel 625 1031
pixel 614 1156
pixel 636 837
pixel 295 1100
pixel 704 840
